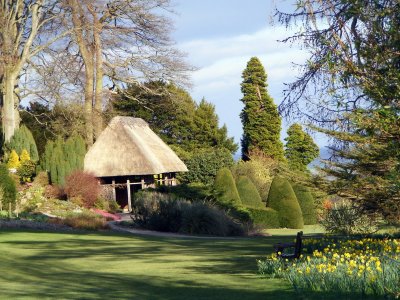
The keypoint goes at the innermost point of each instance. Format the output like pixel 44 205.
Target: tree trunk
pixel 10 120
pixel 98 94
pixel 88 111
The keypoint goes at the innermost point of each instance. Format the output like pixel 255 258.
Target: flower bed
pixel 368 266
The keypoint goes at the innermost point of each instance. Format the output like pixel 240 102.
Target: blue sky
pixel 219 38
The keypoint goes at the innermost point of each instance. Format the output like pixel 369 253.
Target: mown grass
pixel 39 265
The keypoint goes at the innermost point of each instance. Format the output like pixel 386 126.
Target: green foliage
pixel 265 217
pixel 191 191
pixel 300 148
pixel 163 212
pixel 248 193
pixel 204 164
pixel 22 139
pixel 307 204
pixel 13 160
pixel 283 199
pixel 174 116
pixel 260 117
pixel 7 185
pixel 26 171
pixel 345 218
pixel 61 158
pixel 85 220
pixel 225 188
pixel 41 179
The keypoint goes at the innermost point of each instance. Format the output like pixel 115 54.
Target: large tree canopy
pixel 350 86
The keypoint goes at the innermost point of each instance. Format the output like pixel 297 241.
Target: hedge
pixel 306 202
pixel 266 217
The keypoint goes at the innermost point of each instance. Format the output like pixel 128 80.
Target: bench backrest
pixel 298 245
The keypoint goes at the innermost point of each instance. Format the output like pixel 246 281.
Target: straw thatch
pixel 129 147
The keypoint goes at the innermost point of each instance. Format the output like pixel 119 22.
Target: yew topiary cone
pixel 283 199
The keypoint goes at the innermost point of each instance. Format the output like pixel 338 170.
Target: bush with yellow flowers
pixel 365 266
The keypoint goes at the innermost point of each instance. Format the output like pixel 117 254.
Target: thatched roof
pixel 129 147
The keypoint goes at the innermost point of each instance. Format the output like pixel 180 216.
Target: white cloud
pixel 221 62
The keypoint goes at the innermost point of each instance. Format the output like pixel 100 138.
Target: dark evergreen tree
pixel 174 116
pixel 300 148
pixel 260 117
pixel 22 139
pixel 61 158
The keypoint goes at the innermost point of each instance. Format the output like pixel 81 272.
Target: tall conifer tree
pixel 260 117
pixel 300 148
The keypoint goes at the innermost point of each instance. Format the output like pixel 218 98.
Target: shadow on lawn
pixel 51 269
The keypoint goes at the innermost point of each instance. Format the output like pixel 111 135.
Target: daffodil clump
pixel 364 266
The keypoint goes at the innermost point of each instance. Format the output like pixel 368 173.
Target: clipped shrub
pixel 306 201
pixel 283 199
pixel 26 171
pixel 84 220
pixel 225 189
pixel 202 218
pixel 7 185
pixel 248 193
pixel 13 160
pixel 204 164
pixel 84 185
pixel 191 191
pixel 265 217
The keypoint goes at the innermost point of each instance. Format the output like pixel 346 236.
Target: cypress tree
pixel 22 139
pixel 248 193
pixel 283 199
pixel 260 117
pixel 225 188
pixel 24 156
pixel 301 149
pixel 13 160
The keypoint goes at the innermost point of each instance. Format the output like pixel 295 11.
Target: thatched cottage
pixel 129 156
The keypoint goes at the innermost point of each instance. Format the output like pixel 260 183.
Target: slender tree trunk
pixel 88 110
pixel 98 94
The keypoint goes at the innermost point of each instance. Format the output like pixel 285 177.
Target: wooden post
pixel 114 192
pixel 166 180
pixel 142 182
pixel 128 186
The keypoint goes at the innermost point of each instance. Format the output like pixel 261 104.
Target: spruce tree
pixel 300 148
pixel 13 160
pixel 260 117
pixel 24 156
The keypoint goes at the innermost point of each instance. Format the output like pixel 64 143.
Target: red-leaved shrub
pixel 83 185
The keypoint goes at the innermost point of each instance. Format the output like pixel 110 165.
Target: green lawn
pixel 93 266
pixel 38 265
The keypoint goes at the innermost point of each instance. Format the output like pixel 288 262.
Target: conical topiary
pixel 13 160
pixel 24 156
pixel 306 202
pixel 283 199
pixel 248 193
pixel 225 188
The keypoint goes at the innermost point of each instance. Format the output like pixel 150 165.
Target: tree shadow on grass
pixel 68 266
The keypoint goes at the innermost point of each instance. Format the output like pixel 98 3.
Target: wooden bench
pixel 280 247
